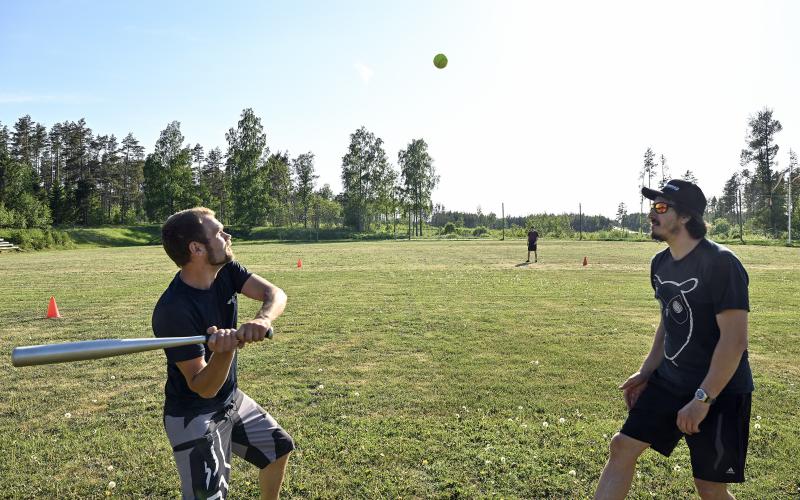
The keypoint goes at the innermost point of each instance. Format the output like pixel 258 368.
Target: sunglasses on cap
pixel 660 207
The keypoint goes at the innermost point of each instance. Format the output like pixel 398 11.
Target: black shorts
pixel 531 247
pixel 718 451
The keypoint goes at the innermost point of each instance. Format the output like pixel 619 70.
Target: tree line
pixel 546 224
pixel 69 175
pixel 759 197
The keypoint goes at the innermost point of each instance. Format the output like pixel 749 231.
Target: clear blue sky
pixel 543 105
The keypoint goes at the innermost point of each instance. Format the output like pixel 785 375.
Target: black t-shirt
pixel 533 237
pixel 691 292
pixel 182 311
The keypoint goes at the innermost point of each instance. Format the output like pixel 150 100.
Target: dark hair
pixel 696 225
pixel 182 228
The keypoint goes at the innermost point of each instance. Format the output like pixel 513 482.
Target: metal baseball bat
pixel 95 349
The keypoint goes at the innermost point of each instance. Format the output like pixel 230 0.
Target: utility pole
pixel 792 163
pixel 790 205
pixel 641 208
pixel 739 212
pixel 789 188
pixel 580 222
pixel 316 218
pixel 503 213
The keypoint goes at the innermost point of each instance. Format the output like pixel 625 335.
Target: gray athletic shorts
pixel 202 445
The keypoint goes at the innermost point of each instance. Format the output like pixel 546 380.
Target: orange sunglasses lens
pixel 660 207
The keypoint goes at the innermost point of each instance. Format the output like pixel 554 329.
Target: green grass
pixel 440 363
pixel 115 236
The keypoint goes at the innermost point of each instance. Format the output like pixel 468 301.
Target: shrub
pixel 449 228
pixel 721 227
pixel 7 217
pixel 480 231
pixel 37 239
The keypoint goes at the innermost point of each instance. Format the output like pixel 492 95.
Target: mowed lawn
pixel 402 369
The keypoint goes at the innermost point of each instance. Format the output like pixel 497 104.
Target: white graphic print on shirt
pixel 676 314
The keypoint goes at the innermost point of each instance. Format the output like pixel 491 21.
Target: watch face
pixel 701 395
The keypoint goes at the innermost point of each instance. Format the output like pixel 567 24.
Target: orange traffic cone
pixel 585 262
pixel 52 309
pixel 299 263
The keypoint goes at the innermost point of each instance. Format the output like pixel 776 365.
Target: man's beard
pixel 657 237
pixel 654 236
pixel 220 260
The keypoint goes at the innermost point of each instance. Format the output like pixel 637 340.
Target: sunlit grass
pixel 402 369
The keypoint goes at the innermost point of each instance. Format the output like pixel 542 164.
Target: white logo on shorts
pixel 208 474
pixel 730 471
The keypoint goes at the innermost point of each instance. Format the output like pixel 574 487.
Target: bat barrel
pixel 94 349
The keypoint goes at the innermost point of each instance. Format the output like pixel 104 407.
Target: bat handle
pixel 269 335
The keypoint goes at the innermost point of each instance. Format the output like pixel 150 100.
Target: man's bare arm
pixel 633 387
pixel 728 353
pixel 273 303
pixel 206 379
pixel 656 354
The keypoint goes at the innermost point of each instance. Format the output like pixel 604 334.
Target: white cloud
pixel 364 71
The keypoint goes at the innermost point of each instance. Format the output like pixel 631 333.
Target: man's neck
pixel 200 277
pixel 681 245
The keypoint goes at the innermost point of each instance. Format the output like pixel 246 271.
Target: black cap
pixel 684 193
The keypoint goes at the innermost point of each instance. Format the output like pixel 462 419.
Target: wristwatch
pixel 702 396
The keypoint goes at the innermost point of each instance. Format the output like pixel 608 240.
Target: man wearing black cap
pixel 696 381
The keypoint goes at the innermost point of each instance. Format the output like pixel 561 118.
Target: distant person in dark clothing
pixel 533 238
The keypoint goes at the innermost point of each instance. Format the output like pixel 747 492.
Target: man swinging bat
pixel 206 416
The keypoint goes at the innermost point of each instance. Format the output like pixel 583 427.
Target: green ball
pixel 440 61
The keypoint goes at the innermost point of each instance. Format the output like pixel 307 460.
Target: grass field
pixel 402 369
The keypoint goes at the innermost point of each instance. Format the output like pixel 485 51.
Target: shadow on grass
pixel 14 322
pixel 116 236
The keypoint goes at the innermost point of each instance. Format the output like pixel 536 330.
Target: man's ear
pixel 196 248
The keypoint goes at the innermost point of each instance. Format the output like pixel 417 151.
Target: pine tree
pixel 622 212
pixel 22 139
pixel 198 155
pixel 761 150
pixel 247 152
pixel 728 202
pixel 646 175
pixel 110 179
pixel 279 188
pixel 78 184
pixel 132 177
pixel 689 176
pixel 212 183
pixel 665 175
pixel 303 167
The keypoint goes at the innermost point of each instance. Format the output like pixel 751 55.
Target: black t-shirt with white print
pixel 182 311
pixel 691 292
